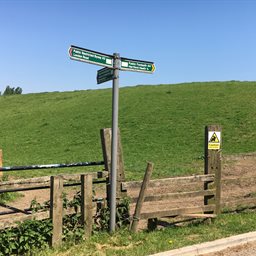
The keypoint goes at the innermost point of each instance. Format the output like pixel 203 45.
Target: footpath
pixel 243 245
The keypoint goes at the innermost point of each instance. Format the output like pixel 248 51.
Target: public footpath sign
pixel 106 60
pixel 92 57
pixel 112 64
pixel 137 65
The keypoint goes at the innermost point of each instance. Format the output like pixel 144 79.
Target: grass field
pixel 163 124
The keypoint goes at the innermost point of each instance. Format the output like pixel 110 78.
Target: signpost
pixel 104 75
pixel 89 56
pixel 112 64
pixel 137 65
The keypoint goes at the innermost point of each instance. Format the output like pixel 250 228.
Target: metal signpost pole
pixel 112 64
pixel 115 96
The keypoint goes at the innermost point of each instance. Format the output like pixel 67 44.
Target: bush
pixel 36 234
pixel 29 235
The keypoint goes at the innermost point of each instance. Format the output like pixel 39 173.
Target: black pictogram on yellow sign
pixel 214 140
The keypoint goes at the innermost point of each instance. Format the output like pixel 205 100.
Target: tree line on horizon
pixel 11 90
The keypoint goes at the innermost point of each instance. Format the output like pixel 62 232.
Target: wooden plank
pixel 168 181
pixel 198 215
pixel 56 209
pixel 240 203
pixel 176 212
pixel 14 220
pixel 105 135
pixel 31 181
pixel 39 181
pixel 237 181
pixel 141 197
pixel 76 177
pixel 217 183
pixel 178 195
pixel 86 206
pixel 120 169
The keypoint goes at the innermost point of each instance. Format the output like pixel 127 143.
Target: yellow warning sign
pixel 214 140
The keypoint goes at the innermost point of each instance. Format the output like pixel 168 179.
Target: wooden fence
pixel 197 196
pixel 56 185
pixel 56 211
pixel 172 197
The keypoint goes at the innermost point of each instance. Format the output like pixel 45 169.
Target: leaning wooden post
pixel 213 163
pixel 141 197
pixel 56 209
pixel 106 136
pixel 86 204
pixel 1 163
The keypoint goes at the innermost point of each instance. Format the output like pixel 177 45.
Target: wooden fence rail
pixel 178 212
pixel 44 182
pixel 56 211
pixel 168 181
pixel 177 195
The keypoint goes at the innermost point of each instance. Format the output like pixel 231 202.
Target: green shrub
pixel 29 235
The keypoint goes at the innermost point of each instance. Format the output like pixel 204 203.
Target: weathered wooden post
pixel 106 136
pixel 1 163
pixel 86 204
pixel 56 209
pixel 141 197
pixel 213 164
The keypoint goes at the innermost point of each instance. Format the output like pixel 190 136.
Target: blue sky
pixel 189 41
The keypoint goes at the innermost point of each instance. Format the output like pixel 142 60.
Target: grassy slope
pixel 163 124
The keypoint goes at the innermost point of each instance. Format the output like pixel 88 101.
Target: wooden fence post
pixel 56 209
pixel 141 197
pixel 213 164
pixel 1 163
pixel 86 204
pixel 106 136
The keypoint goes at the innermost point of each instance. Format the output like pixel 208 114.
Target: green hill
pixel 163 124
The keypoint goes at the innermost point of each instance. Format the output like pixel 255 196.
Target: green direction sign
pixel 104 75
pixel 137 65
pixel 97 58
